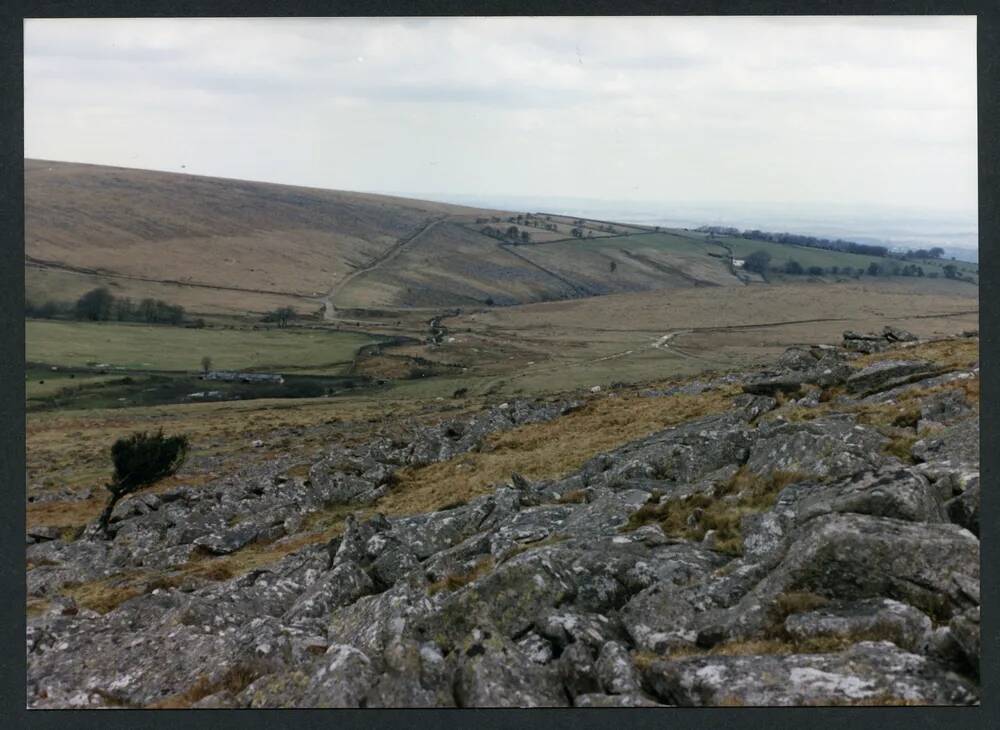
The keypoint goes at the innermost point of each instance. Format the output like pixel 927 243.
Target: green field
pixel 146 347
pixel 782 252
pixel 665 241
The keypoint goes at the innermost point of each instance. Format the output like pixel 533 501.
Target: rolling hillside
pixel 231 246
pixel 220 246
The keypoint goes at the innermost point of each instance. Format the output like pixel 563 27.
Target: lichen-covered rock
pixel 957 445
pixel 577 670
pixel 682 454
pixel 964 629
pixel 616 671
pixel 869 672
pixel 964 509
pixel 661 618
pixel 545 592
pixel 853 556
pixel 945 407
pixel 340 679
pixel 890 492
pixel 342 586
pixel 631 699
pixel 886 374
pixel 495 673
pixel 879 619
pixel 824 447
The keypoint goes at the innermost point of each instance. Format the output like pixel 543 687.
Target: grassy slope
pixel 230 233
pixel 780 253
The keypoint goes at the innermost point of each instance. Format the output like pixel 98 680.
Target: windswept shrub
pixel 140 460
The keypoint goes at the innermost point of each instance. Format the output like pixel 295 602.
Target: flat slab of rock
pixel 854 556
pixel 228 541
pixel 885 374
pixel 877 619
pixel 867 673
pixel 958 444
pixel 827 447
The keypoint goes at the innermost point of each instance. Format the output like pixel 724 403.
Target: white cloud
pixel 876 110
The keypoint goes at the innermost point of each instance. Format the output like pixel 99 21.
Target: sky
pixel 845 111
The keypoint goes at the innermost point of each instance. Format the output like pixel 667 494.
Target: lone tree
pixel 206 364
pixel 282 315
pixel 140 460
pixel 612 266
pixel 757 262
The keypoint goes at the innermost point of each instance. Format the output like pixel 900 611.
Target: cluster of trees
pixel 797 240
pixel 760 262
pixel 100 305
pixel 935 253
pixel 521 219
pixel 925 253
pixel 511 234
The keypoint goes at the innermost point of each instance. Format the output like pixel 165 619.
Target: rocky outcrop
pixel 750 557
pixel 878 673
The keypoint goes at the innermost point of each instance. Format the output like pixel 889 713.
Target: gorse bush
pixel 140 460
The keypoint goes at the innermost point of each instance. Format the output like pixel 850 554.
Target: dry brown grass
pixel 795 602
pixel 456 581
pixel 750 647
pixel 900 445
pixel 36 607
pixel 70 450
pixel 882 700
pixel 545 450
pixel 236 679
pixel 955 353
pixel 525 547
pixel 106 594
pixel 576 496
pixel 691 517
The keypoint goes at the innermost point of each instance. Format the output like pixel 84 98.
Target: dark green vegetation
pixel 693 516
pixel 140 460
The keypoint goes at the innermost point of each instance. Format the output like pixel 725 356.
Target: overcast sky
pixel 782 110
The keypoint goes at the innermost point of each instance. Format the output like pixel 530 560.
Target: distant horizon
pixel 679 213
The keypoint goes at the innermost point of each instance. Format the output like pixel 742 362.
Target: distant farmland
pixel 152 347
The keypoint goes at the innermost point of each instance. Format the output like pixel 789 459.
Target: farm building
pixel 234 377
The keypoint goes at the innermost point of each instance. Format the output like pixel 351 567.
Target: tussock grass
pixel 236 679
pixel 795 602
pixel 456 581
pixel 576 496
pixel 36 607
pixel 900 445
pixel 749 647
pixel 690 518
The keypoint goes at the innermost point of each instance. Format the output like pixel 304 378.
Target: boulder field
pixel 796 548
